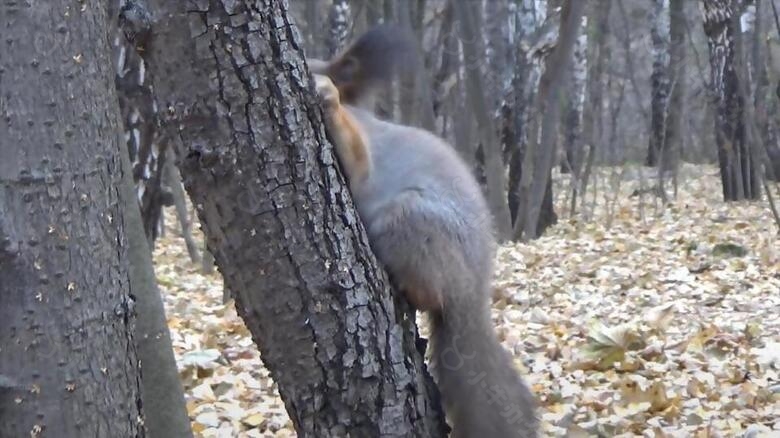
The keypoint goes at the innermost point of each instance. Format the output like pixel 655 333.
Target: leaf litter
pixel 642 320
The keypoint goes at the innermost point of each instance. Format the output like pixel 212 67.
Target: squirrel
pixel 430 227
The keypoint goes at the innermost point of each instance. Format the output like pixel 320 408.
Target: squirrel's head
pixel 372 61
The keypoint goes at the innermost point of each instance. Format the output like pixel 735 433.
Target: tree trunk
pixel 515 114
pixel 416 102
pixel 339 19
pixel 539 158
pixel 173 181
pixel 473 54
pixel 68 365
pixel 281 225
pixel 739 177
pixel 659 82
pixel 130 33
pixel 677 77
pixel 163 395
pixel 446 74
pixel 773 105
pixel 592 119
pixel 572 144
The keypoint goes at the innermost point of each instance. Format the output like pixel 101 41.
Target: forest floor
pixel 630 319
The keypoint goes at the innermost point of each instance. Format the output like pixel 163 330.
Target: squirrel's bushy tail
pixel 483 392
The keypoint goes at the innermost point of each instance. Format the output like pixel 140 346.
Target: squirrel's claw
pixel 327 91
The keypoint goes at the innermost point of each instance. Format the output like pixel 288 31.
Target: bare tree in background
pixel 466 14
pixel 572 119
pixel 135 88
pixel 593 118
pixel 539 157
pixel 339 19
pixel 772 46
pixel 675 114
pixel 536 34
pixel 739 176
pixel 659 80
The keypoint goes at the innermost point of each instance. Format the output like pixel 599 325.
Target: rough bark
pixel 473 53
pixel 279 220
pixel 539 158
pixel 68 364
pixel 739 178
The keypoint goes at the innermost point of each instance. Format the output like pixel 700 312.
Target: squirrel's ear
pixel 346 70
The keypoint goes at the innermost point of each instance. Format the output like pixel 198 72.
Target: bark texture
pixel 515 108
pixel 68 364
pixel 280 223
pixel 738 175
pixel 659 81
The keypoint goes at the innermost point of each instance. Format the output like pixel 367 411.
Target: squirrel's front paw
pixel 327 91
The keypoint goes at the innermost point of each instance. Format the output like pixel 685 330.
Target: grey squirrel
pixel 430 226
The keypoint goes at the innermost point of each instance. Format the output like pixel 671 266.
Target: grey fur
pixel 429 224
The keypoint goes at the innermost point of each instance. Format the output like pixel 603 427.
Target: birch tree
pixel 572 143
pixel 659 81
pixel 338 25
pixel 739 177
pixel 539 157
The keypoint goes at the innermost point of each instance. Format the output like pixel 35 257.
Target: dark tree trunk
pixel 173 182
pixel 135 89
pixel 739 177
pixel 68 365
pixel 162 395
pixel 281 225
pixel 677 78
pixel 416 102
pixel 446 72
